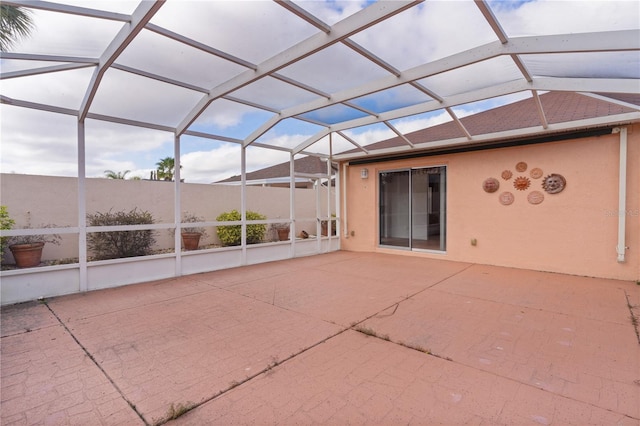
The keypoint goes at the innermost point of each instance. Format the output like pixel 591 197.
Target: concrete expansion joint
pixel 24 331
pixel 94 361
pixel 445 279
pixel 268 369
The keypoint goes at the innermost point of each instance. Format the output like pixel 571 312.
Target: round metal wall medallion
pixel 506 198
pixel 521 166
pixel 535 197
pixel 536 173
pixel 490 185
pixel 506 175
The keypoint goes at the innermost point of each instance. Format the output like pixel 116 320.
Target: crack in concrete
pixel 632 315
pixel 269 368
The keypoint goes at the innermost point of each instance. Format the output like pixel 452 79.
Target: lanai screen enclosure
pixel 252 83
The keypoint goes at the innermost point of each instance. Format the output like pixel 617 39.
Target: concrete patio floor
pixel 340 338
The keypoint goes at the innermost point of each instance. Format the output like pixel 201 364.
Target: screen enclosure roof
pixel 330 74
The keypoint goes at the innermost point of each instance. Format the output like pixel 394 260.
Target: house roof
pixel 557 107
pixel 306 165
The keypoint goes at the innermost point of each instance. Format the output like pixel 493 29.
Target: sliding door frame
pixel 442 209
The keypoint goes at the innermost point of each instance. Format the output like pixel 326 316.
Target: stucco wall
pixel 54 200
pixel 574 232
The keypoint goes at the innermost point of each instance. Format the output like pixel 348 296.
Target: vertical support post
pixel 318 215
pixel 243 204
pixel 329 204
pixel 443 208
pixel 82 208
pixel 622 195
pixel 177 205
pixel 292 205
pixel 338 208
pixel 344 200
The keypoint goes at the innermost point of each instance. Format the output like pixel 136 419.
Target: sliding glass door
pixel 394 208
pixel 413 208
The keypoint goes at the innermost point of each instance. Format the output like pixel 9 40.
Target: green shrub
pixel 231 235
pixel 118 244
pixel 5 223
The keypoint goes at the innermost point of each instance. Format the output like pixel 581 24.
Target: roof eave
pixel 529 132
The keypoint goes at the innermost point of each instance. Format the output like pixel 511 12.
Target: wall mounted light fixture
pixel 364 173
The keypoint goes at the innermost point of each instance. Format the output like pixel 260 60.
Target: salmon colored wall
pixel 573 232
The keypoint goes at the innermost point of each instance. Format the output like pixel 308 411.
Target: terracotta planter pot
pixel 27 255
pixel 283 234
pixel 191 240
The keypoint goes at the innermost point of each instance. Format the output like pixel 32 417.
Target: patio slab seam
pixel 231 287
pixel 28 330
pixel 387 339
pixel 93 360
pixel 535 308
pixel 235 384
pixel 625 300
pixel 184 408
pixel 152 303
pixel 352 327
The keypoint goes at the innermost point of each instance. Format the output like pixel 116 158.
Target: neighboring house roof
pixel 559 107
pixel 308 165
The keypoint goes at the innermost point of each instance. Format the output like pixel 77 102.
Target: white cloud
pixel 405 125
pixel 224 114
pixel 224 161
pixel 408 125
pixel 34 143
pixel 130 96
pixel 37 142
pixel 211 166
pixel 253 30
pixel 65 34
pixel 61 89
pixel 333 11
pixel 564 17
pixel 432 30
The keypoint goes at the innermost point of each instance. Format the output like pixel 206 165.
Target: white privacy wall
pixel 54 200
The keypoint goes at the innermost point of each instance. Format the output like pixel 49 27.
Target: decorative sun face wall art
pixel 553 183
pixel 521 183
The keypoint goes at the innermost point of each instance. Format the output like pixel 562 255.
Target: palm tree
pixel 110 174
pixel 165 168
pixel 15 22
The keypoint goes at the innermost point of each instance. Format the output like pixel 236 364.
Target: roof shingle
pixel 309 164
pixel 559 107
